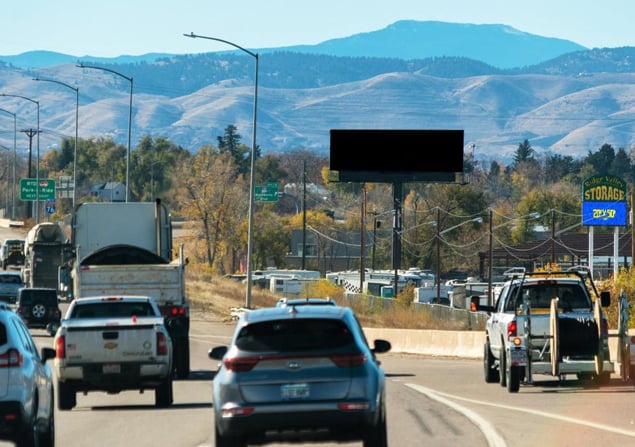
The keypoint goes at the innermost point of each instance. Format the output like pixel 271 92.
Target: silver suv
pixel 26 399
pixel 299 374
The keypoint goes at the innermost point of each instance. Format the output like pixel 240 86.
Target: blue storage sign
pixel 604 201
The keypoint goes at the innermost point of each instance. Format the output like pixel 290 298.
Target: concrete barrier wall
pixel 463 344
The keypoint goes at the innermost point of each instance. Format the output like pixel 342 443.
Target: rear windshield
pixel 41 296
pixel 570 296
pixel 10 279
pixel 112 310
pixel 294 335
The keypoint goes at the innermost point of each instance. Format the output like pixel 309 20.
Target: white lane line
pixel 559 417
pixel 488 430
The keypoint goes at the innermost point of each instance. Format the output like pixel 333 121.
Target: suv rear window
pixel 10 279
pixel 28 297
pixel 294 335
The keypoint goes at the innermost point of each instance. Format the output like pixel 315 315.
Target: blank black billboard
pixel 380 155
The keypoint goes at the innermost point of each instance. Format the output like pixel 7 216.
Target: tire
pixel 182 358
pixel 47 438
pixel 163 394
pixel 554 340
pixel 28 435
pixel 227 441
pixel 502 370
pixel 603 379
pixel 67 399
pixel 491 373
pixel 513 377
pixel 377 435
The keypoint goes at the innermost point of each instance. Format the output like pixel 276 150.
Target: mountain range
pixel 500 85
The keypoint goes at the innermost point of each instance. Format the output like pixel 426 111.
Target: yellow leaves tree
pixel 213 196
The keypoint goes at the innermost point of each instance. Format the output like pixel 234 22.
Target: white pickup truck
pixel 548 323
pixel 112 344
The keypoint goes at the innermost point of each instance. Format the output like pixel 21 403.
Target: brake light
pixel 240 364
pixel 512 328
pixel 11 358
pixel 60 347
pixel 162 344
pixel 176 311
pixel 348 360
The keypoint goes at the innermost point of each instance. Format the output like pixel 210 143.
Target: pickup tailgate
pixel 119 340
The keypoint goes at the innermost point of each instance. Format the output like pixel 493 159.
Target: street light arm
pixel 37 164
pixel 129 79
pixel 57 82
pixel 80 65
pixel 476 219
pixel 196 36
pixel 76 90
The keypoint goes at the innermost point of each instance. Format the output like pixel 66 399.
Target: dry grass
pixel 214 297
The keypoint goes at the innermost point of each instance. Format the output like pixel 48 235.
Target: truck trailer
pixel 125 248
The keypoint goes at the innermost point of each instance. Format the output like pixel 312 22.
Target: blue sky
pixel 133 27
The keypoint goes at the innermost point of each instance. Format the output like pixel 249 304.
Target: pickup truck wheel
pixel 491 373
pixel 502 369
pixel 554 338
pixel 513 377
pixel 67 398
pixel 163 394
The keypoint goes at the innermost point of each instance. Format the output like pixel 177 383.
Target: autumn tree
pixel 211 193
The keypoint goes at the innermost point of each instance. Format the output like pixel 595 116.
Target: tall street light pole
pixel 37 163
pixel 15 157
pixel 250 238
pixel 129 79
pixel 76 89
pixel 6 169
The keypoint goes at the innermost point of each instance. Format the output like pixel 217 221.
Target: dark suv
pixel 38 307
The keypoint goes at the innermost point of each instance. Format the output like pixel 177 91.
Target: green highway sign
pixel 28 189
pixel 266 193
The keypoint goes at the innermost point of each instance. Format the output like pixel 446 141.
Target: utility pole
pixel 30 133
pixel 303 214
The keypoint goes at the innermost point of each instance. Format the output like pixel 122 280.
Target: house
pixel 109 192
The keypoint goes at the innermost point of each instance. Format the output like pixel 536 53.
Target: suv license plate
pixel 111 368
pixel 518 357
pixel 295 391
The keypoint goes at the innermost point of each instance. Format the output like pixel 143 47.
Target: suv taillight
pixel 10 358
pixel 162 344
pixel 348 360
